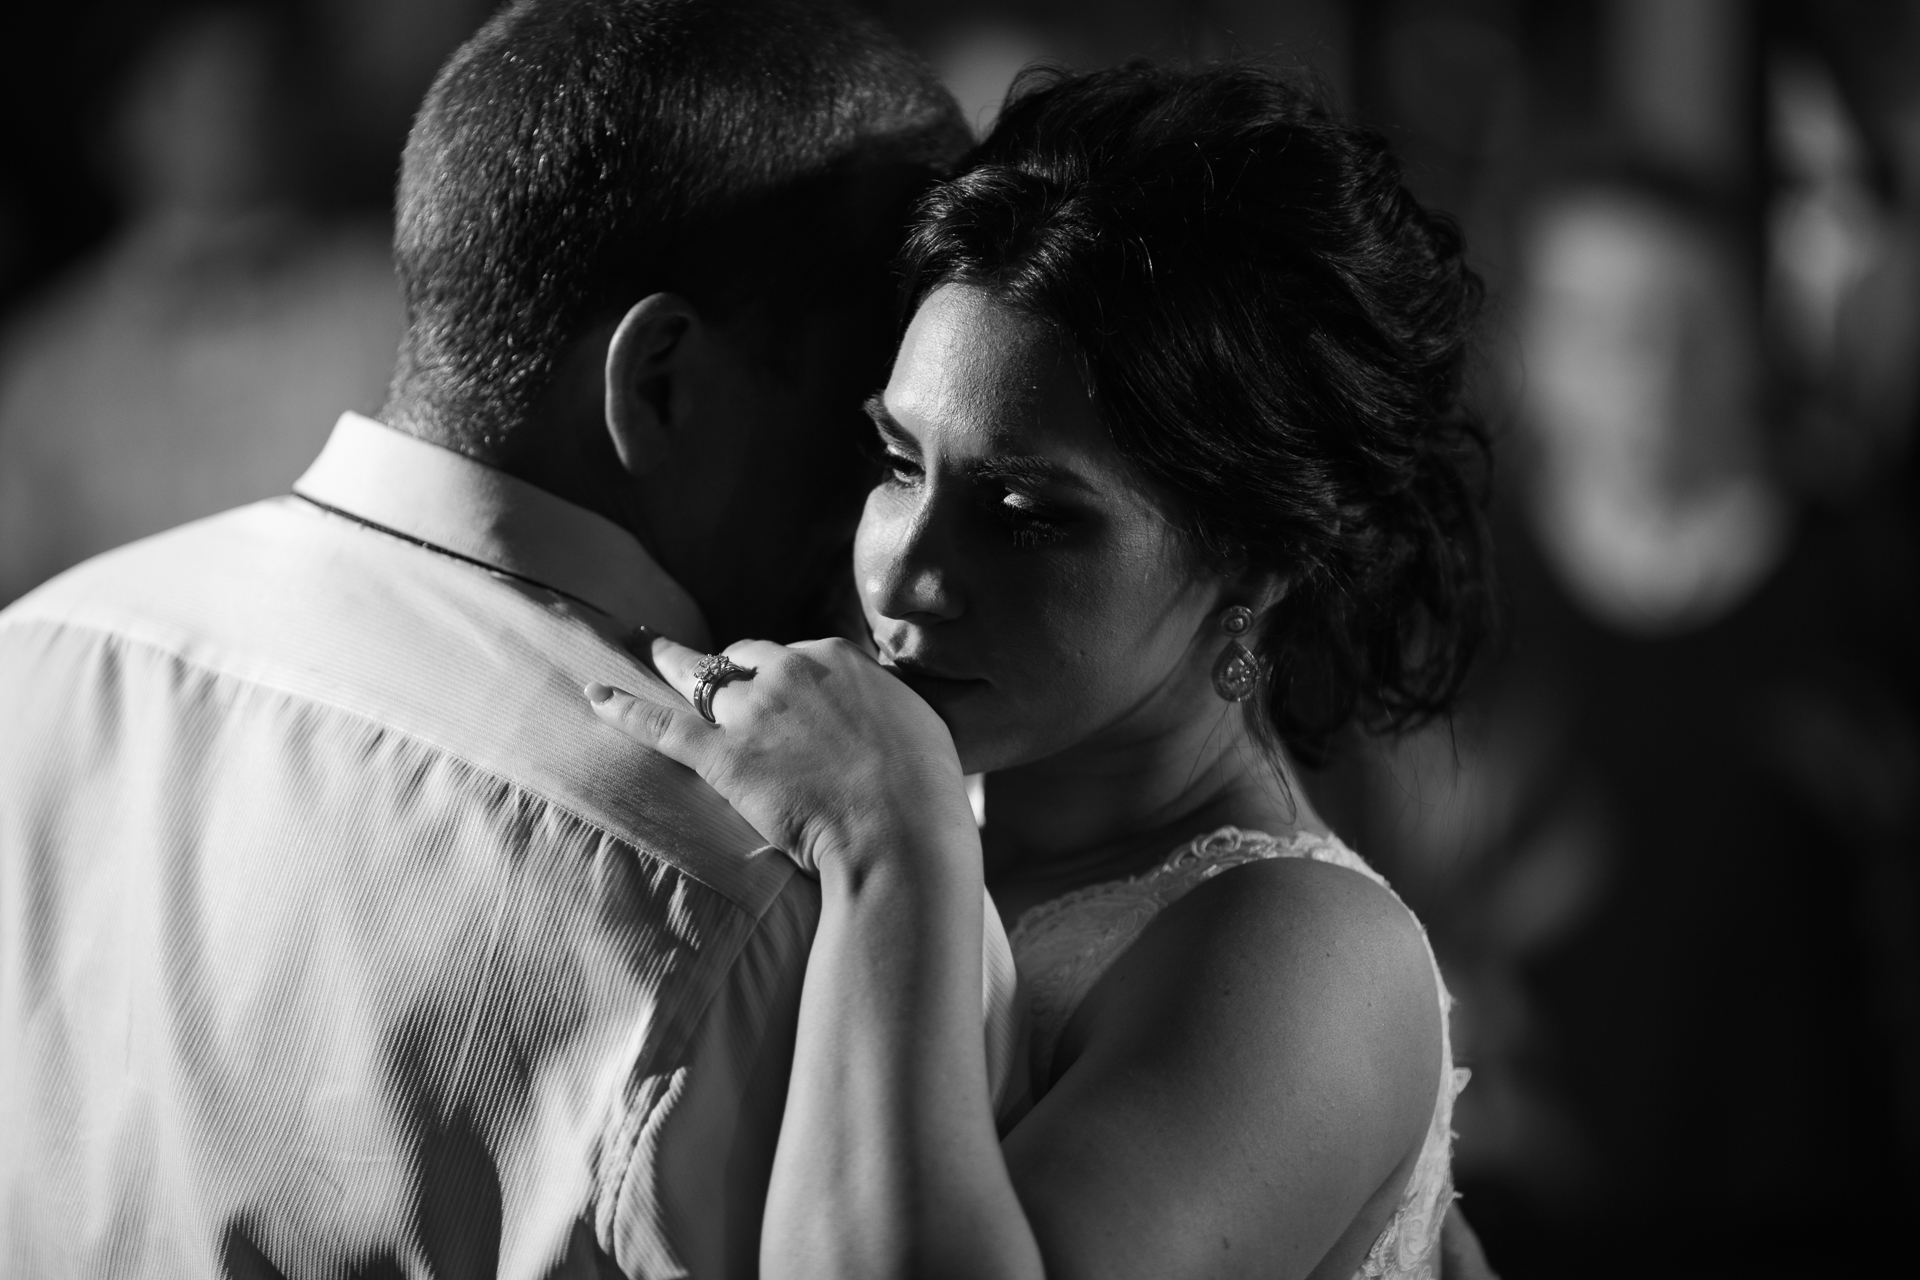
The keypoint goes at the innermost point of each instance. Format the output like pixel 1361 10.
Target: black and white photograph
pixel 959 639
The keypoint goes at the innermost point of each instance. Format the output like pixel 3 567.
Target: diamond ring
pixel 709 674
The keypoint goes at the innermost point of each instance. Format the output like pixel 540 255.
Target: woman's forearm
pixel 888 1163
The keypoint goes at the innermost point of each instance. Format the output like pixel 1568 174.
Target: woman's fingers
pixel 678 665
pixel 675 663
pixel 681 735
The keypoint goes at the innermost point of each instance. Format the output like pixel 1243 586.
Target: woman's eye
pixel 1030 523
pixel 900 469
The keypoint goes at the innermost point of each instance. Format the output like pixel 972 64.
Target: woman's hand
pixel 888 1164
pixel 827 755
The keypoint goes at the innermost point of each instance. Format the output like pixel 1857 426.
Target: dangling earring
pixel 1236 674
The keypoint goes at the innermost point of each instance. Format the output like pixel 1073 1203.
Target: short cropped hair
pixel 577 155
pixel 1275 333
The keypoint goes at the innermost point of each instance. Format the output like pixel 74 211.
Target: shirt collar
pixel 430 494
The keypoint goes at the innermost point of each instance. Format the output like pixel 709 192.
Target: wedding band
pixel 709 674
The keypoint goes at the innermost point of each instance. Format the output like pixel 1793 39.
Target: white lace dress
pixel 1062 947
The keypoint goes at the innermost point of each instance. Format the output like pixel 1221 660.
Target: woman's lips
pixel 926 679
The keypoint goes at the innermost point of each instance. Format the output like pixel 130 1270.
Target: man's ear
pixel 648 387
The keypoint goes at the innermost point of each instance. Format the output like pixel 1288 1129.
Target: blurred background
pixel 1668 854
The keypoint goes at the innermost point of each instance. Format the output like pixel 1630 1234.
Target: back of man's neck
pixel 546 449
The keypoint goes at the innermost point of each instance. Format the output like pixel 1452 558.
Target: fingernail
pixel 597 692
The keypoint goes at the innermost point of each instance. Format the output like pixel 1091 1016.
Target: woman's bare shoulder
pixel 1289 942
pixel 1292 907
pixel 1285 1011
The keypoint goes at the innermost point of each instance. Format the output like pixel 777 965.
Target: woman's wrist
pixel 923 833
pixel 900 854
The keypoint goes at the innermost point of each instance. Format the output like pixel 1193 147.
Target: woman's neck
pixel 1112 807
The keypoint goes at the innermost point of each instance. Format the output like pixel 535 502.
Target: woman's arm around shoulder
pixel 1245 1091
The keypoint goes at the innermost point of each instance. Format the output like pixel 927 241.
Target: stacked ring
pixel 709 674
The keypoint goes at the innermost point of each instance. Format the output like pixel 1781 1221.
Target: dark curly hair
pixel 1275 332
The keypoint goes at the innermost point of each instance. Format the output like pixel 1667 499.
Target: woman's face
pixel 1012 569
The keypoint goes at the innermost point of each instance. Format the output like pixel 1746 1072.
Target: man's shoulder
pixel 339 619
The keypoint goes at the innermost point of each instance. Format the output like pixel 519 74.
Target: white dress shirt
pixel 338 937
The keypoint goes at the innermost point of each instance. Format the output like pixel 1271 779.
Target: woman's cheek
pixel 1063 618
pixel 876 546
pixel 1099 613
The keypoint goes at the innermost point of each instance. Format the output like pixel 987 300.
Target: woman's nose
pixel 904 569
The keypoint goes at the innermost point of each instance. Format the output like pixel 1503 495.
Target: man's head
pixel 644 249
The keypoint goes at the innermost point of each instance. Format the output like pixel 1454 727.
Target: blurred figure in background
pixel 1842 297
pixel 1702 719
pixel 197 360
pixel 1641 396
pixel 191 365
pixel 1671 856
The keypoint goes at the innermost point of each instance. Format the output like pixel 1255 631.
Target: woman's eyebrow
pixel 1027 469
pixel 888 425
pixel 1019 468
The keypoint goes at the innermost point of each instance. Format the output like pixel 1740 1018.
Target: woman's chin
pixel 955 701
pixel 991 746
pixel 980 737
pixel 989 732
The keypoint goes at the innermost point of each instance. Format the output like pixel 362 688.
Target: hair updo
pixel 1275 333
